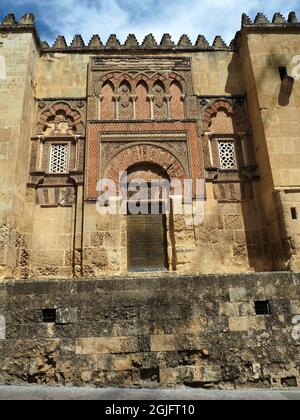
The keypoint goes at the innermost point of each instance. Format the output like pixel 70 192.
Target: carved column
pixel 76 138
pixel 243 138
pixel 78 229
pixel 99 106
pixel 168 98
pixel 183 97
pixel 40 153
pixel 151 100
pixel 117 106
pixel 134 99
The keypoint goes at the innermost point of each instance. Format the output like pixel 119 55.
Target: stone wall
pixel 55 82
pixel 274 116
pixel 17 89
pixel 49 235
pixel 155 331
pixel 230 240
pixel 234 236
pixel 232 91
pixel 104 245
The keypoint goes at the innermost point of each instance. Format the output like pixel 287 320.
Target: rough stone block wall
pixel 288 212
pixel 234 239
pixel 274 116
pixel 229 240
pixel 152 331
pixel 49 237
pixel 17 89
pixel 104 243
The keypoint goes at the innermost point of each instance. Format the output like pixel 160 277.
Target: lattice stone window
pixel 59 158
pixel 227 154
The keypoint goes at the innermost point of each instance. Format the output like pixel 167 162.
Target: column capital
pixel 41 138
pixel 76 137
pixel 133 97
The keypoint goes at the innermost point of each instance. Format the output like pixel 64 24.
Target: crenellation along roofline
pixel 149 45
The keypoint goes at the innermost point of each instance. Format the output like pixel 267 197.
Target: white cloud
pixel 87 17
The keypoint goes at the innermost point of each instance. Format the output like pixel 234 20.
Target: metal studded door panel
pixel 146 244
pixel 136 242
pixel 156 242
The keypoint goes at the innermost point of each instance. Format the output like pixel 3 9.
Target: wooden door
pixel 146 243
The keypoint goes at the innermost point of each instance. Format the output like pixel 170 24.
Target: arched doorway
pixel 147 232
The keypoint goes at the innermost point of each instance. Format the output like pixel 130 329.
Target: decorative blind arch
pixel 135 154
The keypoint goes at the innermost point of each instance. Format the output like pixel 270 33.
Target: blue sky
pixel 103 17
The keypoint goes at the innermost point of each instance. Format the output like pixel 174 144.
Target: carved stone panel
pixel 114 147
pixel 130 153
pixel 57 150
pixel 60 118
pixel 224 122
pixel 54 197
pixel 160 102
pixel 143 88
pixel 125 102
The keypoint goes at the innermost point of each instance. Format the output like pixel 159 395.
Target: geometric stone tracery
pixel 59 158
pixel 160 101
pixel 227 154
pixel 125 102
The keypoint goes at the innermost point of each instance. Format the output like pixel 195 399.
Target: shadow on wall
pixel 234 83
pixel 286 88
pixel 260 254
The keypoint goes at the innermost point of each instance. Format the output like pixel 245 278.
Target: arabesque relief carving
pixel 60 118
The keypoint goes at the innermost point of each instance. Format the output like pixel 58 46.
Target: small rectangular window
pixel 227 154
pixel 263 307
pixel 59 158
pixel 49 316
pixel 294 213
